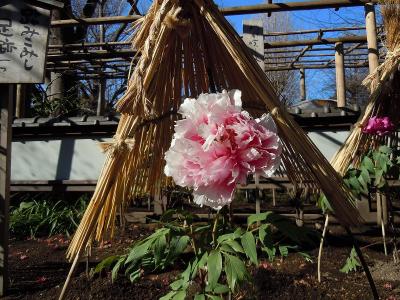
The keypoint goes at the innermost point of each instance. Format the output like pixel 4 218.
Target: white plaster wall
pixel 328 142
pixel 82 159
pixel 66 159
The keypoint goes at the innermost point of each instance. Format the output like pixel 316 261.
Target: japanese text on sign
pixel 23 42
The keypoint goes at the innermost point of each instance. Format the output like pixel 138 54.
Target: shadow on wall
pixel 64 163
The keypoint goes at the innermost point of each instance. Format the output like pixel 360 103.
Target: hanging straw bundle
pixel 188 48
pixel 384 84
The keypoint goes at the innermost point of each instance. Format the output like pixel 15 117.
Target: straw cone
pixel 186 50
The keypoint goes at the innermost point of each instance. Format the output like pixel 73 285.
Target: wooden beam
pixel 296 59
pixel 292 6
pixel 228 11
pixel 6 106
pixel 89 45
pixel 314 31
pixel 95 21
pixel 314 66
pixel 97 54
pixel 343 39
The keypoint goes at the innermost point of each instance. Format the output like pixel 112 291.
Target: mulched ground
pixel 38 270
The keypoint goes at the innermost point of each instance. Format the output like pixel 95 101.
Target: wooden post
pixel 253 37
pixel 372 41
pixel 6 92
pixel 302 85
pixel 102 81
pixel 56 90
pixel 340 77
pixel 20 100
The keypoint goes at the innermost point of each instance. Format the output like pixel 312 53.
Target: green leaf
pixel 213 297
pixel 227 248
pixel 257 218
pixel 168 296
pixel 105 264
pixel 221 289
pixel 249 246
pixel 134 275
pixel 355 184
pixel 262 233
pixel 116 268
pixel 284 251
pixel 368 164
pixel 324 204
pixel 235 245
pixel 181 295
pixel 177 246
pixel 306 256
pixel 352 262
pixel 186 276
pixel 271 252
pixel 200 297
pixel 176 285
pixel 224 237
pixel 159 249
pixel 365 175
pixel 214 267
pixel 364 185
pixel 139 251
pixel 235 271
pixel 379 178
pixel 385 149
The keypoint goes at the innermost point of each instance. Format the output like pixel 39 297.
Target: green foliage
pixel 215 268
pixel 46 217
pixel 373 171
pixel 156 252
pixel 352 262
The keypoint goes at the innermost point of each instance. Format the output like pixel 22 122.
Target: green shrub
pixel 46 217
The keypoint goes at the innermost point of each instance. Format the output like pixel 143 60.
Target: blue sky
pixel 312 19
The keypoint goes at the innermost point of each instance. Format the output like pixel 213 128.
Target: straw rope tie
pixel 118 145
pixel 180 25
pixel 391 60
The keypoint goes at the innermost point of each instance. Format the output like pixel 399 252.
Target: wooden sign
pixel 23 42
pixel 253 37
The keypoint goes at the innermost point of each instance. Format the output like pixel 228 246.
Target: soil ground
pixel 38 270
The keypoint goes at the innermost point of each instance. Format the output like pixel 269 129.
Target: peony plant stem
pixel 214 232
pixel 321 246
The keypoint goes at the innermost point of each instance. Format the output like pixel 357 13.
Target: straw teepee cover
pixel 187 48
pixel 384 100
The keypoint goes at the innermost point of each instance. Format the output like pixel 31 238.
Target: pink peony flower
pixel 379 126
pixel 217 145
